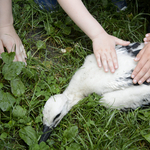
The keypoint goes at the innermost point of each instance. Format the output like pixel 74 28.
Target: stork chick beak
pixel 46 133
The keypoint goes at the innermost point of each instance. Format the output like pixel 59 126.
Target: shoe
pixel 120 4
pixel 49 5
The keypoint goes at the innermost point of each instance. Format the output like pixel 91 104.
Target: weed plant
pixel 25 89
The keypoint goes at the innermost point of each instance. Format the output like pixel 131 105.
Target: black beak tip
pixel 46 133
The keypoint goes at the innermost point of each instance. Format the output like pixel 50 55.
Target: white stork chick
pixel 117 89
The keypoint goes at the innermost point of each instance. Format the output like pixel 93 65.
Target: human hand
pixel 105 53
pixel 11 41
pixel 141 72
pixel 147 38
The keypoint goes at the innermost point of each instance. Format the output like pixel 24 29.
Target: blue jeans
pixel 121 4
pixel 47 4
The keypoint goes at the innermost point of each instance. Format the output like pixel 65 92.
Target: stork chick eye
pixel 56 117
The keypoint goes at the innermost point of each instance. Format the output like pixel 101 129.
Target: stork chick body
pixel 117 89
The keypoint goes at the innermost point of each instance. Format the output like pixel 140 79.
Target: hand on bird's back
pixel 142 71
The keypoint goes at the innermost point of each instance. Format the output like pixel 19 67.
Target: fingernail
pixel 132 76
pixel 112 70
pixel 140 82
pixel 145 42
pixel 134 81
pixel 147 35
pixel 145 39
pixel 136 58
pixel 106 70
pixel 116 67
pixel 148 80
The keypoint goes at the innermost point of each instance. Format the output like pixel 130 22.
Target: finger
pixel 146 41
pixel 148 37
pixel 144 77
pixel 98 60
pixel 23 52
pixel 11 48
pixel 115 60
pixel 148 80
pixel 121 42
pixel 20 54
pixel 1 47
pixel 112 61
pixel 23 49
pixel 137 69
pixel 141 76
pixel 104 62
pixel 139 55
pixel 110 64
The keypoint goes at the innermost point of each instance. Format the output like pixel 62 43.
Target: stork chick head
pixel 54 110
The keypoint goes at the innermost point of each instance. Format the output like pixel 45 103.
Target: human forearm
pixel 103 43
pixel 6 17
pixel 80 15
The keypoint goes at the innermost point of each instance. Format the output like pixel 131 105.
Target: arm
pixel 8 36
pixel 103 43
pixel 6 18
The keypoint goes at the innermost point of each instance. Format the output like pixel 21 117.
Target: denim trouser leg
pixel 47 4
pixel 121 4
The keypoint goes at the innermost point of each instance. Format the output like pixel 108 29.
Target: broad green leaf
pixel 49 28
pixel 28 134
pixel 17 87
pixel 59 24
pixel 73 146
pixel 3 136
pixel 1 95
pixel 28 73
pixel 34 147
pixel 40 44
pixel 25 120
pixel 68 21
pixel 70 133
pixel 8 57
pixel 42 146
pixel 6 101
pixel 19 112
pixel 38 119
pixel 1 85
pixel 76 28
pixel 11 123
pixel 10 71
pixel 66 30
pixel 147 137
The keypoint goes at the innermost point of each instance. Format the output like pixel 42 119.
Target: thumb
pixel 121 42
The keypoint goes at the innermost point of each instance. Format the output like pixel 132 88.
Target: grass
pixel 88 125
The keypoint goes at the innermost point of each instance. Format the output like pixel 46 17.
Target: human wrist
pixel 6 23
pixel 98 35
